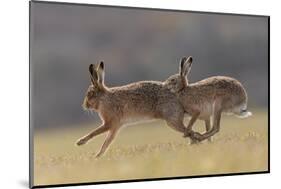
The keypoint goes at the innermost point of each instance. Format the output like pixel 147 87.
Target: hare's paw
pixel 81 141
pixel 210 140
pixel 99 154
pixel 188 133
pixel 194 141
pixel 196 136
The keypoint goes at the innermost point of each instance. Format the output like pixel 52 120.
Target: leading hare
pixel 118 106
pixel 209 97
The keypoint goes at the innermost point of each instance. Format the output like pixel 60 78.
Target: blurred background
pixel 136 44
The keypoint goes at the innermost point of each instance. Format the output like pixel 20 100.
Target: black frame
pixel 31 158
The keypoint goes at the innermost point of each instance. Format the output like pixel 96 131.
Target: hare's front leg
pixel 109 138
pixel 101 129
pixel 188 130
pixel 214 130
pixel 208 127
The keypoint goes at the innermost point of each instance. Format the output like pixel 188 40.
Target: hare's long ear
pixel 100 72
pixel 185 66
pixel 93 74
pixel 181 68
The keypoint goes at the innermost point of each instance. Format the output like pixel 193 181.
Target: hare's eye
pixel 91 93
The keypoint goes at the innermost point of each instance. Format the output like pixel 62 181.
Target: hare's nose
pixel 85 105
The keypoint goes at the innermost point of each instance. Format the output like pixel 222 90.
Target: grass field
pixel 151 150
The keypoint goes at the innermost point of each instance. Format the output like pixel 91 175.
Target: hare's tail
pixel 242 112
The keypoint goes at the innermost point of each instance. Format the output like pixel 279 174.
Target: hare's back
pixel 229 90
pixel 227 85
pixel 138 98
pixel 220 84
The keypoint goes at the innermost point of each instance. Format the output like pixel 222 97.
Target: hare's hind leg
pixel 216 125
pixel 208 127
pixel 174 117
pixel 176 125
pixel 109 138
pixel 101 129
pixel 179 126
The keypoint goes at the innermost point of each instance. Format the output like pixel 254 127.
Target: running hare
pixel 118 106
pixel 206 98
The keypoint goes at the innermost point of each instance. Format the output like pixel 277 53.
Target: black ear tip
pixel 91 68
pixel 102 64
pixel 190 59
pixel 183 59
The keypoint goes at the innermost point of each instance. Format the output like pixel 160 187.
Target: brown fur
pixel 118 106
pixel 228 91
pixel 208 97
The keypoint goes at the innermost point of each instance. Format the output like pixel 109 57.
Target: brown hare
pixel 118 106
pixel 209 97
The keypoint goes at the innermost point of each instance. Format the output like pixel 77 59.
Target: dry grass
pixel 151 150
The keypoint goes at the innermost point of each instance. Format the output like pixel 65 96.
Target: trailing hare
pixel 206 98
pixel 118 106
